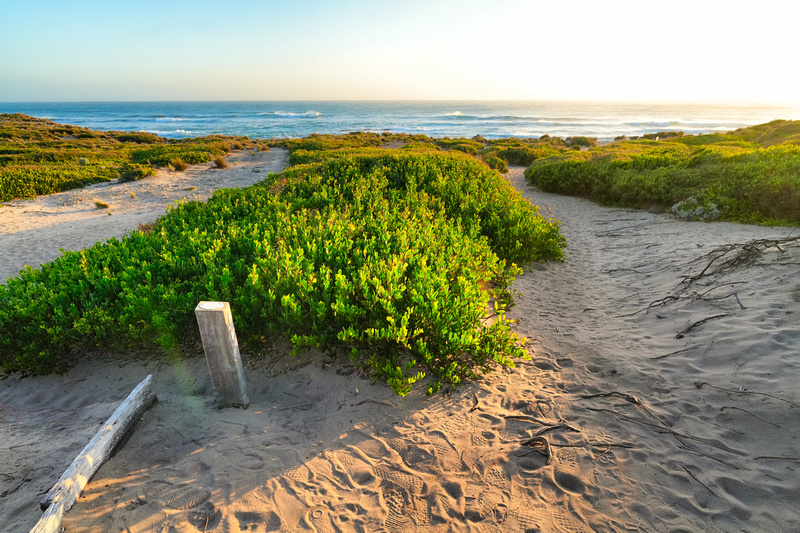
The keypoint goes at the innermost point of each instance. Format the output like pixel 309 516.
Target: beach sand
pixel 649 404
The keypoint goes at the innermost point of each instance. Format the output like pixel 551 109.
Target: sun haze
pixel 418 49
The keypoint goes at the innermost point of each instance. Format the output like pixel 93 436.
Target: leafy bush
pixel 135 172
pixel 744 180
pixel 38 156
pixel 588 142
pixel 26 182
pixel 392 257
pixel 498 164
pixel 139 137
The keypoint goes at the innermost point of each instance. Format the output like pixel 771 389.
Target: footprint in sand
pixel 527 520
pixel 205 517
pixel 184 498
pixel 359 471
pixel 529 462
pixel 398 518
pixel 248 520
pixel 567 472
pixel 290 509
pixel 446 451
pixel 565 522
pixel 406 481
pixel 489 505
pixel 242 460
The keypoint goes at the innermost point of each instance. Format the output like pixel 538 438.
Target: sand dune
pixel 649 404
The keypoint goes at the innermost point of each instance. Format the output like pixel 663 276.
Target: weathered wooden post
pixel 222 353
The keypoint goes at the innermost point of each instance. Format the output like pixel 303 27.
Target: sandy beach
pixel 661 395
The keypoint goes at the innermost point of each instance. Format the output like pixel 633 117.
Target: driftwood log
pixel 66 491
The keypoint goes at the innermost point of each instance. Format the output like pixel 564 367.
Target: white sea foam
pixel 286 114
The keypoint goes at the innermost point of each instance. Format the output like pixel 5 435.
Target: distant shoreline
pixel 435 118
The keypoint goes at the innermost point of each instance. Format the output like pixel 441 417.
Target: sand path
pixel 33 231
pixel 647 431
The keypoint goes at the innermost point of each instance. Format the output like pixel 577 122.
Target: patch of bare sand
pixel 650 424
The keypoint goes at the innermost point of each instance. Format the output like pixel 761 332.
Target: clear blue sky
pixel 409 49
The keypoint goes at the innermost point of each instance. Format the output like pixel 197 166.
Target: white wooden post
pixel 222 353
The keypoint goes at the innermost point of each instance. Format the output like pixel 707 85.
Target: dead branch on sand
pixel 693 325
pixel 699 385
pixel 732 256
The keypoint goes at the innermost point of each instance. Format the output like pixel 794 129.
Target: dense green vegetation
pixel 748 175
pixel 394 257
pixel 38 156
pixel 395 249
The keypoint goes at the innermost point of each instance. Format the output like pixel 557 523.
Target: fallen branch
pixel 375 400
pixel 749 413
pixel 64 493
pixel 690 348
pixel 680 334
pixel 734 294
pixel 699 385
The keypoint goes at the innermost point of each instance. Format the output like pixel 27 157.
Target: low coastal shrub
pixel 176 163
pixel 135 172
pixel 400 260
pixel 498 164
pixel 747 175
pixel 220 162
pixel 22 182
pixel 38 156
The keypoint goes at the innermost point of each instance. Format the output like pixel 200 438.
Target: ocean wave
pixel 168 132
pixel 287 114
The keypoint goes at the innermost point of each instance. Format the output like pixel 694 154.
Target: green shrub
pixel 38 156
pixel 498 164
pixel 391 257
pixel 745 181
pixel 135 172
pixel 587 142
pixel 139 137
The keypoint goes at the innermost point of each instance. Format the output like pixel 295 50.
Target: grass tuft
pixel 220 162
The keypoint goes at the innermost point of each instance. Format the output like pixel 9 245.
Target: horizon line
pixel 421 100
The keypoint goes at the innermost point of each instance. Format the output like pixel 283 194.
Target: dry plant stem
pixel 699 385
pixel 695 478
pixel 745 254
pixel 681 333
pixel 689 349
pixel 376 401
pixel 749 413
pixel 547 424
pixel 734 294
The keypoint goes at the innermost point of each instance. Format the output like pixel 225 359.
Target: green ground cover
pixel 400 259
pixel 38 156
pixel 749 175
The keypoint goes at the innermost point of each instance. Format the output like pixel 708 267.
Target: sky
pixel 109 50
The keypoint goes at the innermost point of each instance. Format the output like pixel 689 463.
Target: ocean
pixel 491 119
